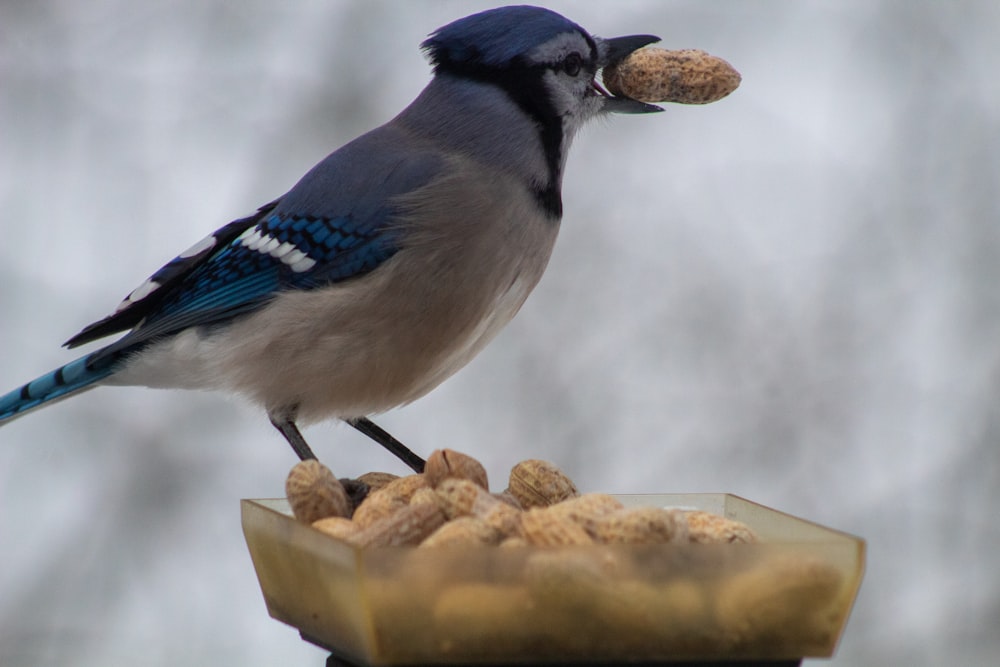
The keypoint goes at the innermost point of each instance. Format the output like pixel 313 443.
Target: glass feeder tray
pixel 781 599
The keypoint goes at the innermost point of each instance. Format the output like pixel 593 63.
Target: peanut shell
pixel 504 518
pixel 339 527
pixel 586 510
pixel 426 495
pixel 408 526
pixel 537 483
pixel 465 531
pixel 460 497
pixel 687 76
pixel 377 480
pixel 387 500
pixel 514 542
pixel 314 492
pixel 444 463
pixel 545 528
pixel 642 525
pixel 708 528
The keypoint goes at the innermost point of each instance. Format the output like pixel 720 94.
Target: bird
pixel 391 263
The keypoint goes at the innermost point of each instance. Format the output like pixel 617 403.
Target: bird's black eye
pixel 573 64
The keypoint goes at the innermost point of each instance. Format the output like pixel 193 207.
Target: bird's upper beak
pixel 612 51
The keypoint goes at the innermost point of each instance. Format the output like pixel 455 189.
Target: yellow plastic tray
pixel 786 597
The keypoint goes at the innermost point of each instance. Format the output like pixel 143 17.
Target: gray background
pixel 789 295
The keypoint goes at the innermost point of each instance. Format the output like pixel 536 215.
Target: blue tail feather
pixel 65 381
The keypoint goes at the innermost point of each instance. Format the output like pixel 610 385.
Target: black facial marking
pixel 523 82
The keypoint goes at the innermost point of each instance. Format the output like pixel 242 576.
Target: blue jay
pixel 392 262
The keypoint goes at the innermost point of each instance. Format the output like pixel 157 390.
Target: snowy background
pixel 790 295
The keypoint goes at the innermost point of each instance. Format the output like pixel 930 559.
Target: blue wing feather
pixel 134 308
pixel 240 276
pixel 333 226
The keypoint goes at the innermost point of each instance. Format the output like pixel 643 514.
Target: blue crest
pixel 495 37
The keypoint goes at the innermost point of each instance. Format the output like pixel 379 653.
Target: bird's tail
pixel 65 381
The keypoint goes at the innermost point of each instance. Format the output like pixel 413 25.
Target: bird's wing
pixel 145 299
pixel 332 226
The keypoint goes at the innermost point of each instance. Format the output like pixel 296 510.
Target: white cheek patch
pixel 266 244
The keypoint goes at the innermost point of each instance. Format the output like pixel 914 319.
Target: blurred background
pixel 790 295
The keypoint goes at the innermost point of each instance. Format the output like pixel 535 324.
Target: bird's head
pixel 546 65
pixel 544 61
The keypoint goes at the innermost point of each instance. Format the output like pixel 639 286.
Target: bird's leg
pixel 286 425
pixel 382 437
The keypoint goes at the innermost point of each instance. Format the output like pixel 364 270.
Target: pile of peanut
pixel 450 504
pixel 524 600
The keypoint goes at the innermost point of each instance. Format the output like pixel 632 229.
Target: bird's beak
pixel 613 51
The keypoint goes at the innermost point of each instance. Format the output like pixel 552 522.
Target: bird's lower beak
pixel 612 52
